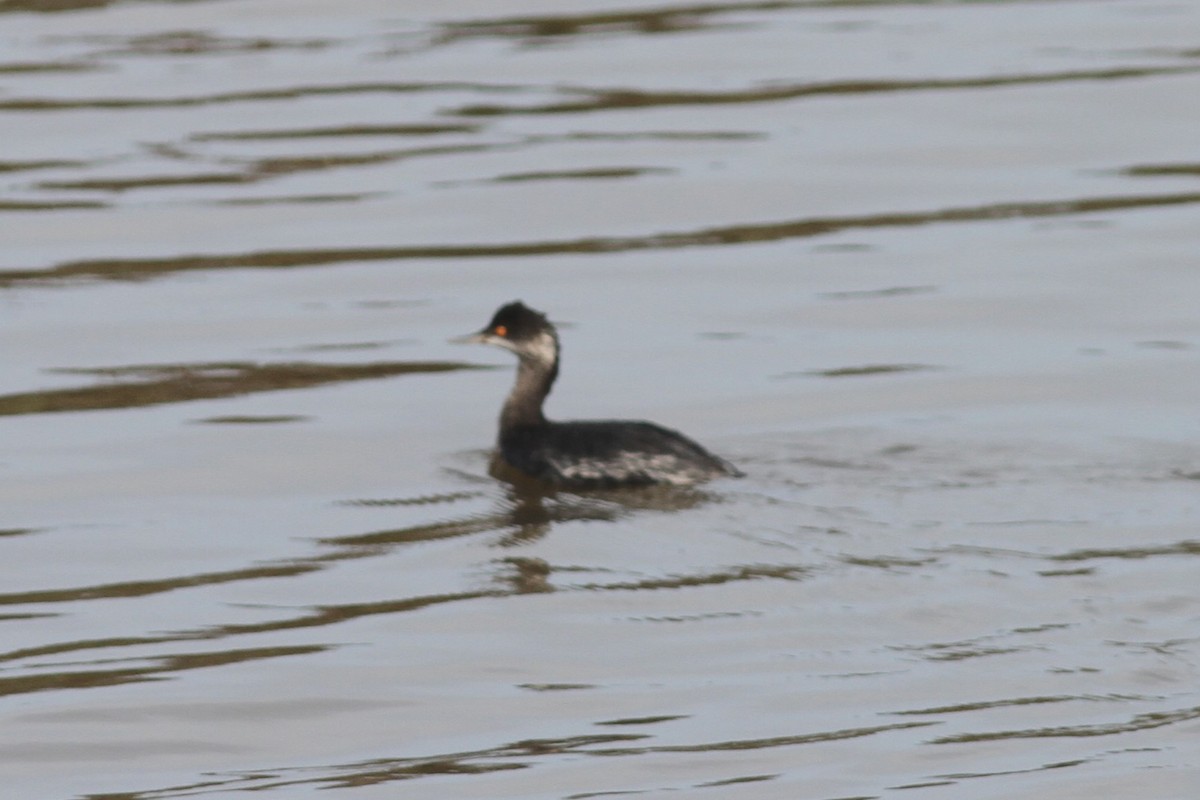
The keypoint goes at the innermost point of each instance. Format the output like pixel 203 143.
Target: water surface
pixel 924 271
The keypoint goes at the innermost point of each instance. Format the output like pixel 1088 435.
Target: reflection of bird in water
pixel 528 575
pixel 533 509
pixel 581 454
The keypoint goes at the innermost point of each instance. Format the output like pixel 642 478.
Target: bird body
pixel 580 454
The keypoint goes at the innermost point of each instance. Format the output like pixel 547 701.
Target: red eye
pixel 500 330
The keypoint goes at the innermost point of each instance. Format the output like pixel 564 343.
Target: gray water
pixel 925 271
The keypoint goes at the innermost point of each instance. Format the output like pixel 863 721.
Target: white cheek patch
pixel 543 349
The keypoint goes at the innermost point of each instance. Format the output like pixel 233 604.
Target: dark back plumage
pixel 606 454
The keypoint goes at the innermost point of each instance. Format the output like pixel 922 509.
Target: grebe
pixel 580 454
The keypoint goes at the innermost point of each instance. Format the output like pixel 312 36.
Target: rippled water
pixel 924 271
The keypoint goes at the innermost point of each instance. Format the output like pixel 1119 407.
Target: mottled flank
pixel 608 454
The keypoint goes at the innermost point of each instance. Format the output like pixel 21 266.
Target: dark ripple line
pixel 513 755
pixel 656 20
pixel 746 573
pixel 420 500
pixel 386 770
pixel 596 99
pixel 759 744
pixel 54 6
pixel 46 163
pixel 1017 701
pixel 961 776
pixel 610 99
pixel 144 268
pixel 149 587
pixel 323 615
pixel 333 131
pixel 419 533
pixel 251 172
pixel 1186 547
pixel 68 205
pixel 265 169
pixel 652 20
pixel 1141 722
pixel 586 745
pixel 178 662
pixel 178 383
pixel 194 43
pixel 28 67
pixel 292 93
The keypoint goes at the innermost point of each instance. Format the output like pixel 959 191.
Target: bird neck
pixel 535 377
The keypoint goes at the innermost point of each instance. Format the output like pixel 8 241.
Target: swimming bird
pixel 596 454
